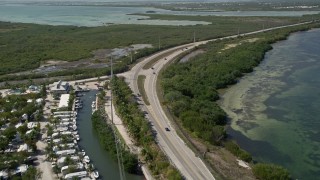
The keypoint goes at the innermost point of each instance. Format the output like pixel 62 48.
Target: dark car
pixel 167 129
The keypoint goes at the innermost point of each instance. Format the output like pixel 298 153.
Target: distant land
pixel 159 1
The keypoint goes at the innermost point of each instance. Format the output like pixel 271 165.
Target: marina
pixel 65 138
pixel 106 167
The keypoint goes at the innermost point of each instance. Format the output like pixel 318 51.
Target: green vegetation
pixel 270 172
pixel 32 174
pixel 141 79
pixel 15 109
pixel 140 130
pixel 31 45
pixel 294 5
pixel 153 61
pixel 71 98
pixel 12 160
pixel 190 89
pixel 107 140
pixel 237 151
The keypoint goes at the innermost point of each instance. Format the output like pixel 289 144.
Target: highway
pixel 190 166
pixel 180 155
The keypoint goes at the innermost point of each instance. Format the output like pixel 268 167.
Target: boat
pixel 77 137
pixel 83 153
pixel 95 174
pixel 93 104
pixel 74 127
pixel 86 159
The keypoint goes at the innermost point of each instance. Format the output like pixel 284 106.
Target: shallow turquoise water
pixel 81 15
pixel 280 118
pixel 62 13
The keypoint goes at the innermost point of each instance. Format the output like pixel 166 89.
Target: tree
pixel 68 161
pixel 56 121
pixel 23 129
pixel 32 174
pixel 3 143
pixel 43 91
pixel 56 170
pixel 10 132
pixel 49 130
pixel 270 172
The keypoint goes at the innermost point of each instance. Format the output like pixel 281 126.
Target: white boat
pixel 86 159
pixel 77 137
pixel 78 106
pixel 74 127
pixel 95 174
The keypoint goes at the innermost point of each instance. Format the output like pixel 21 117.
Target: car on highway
pixel 167 129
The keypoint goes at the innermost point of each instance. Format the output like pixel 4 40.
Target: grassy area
pixel 141 80
pixel 153 61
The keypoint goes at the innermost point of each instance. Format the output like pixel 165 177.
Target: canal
pixel 102 161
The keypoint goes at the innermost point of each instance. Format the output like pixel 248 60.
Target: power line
pixel 117 140
pixel 123 173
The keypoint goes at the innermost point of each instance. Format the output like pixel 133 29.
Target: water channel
pixel 102 161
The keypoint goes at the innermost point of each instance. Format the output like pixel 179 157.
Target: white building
pixel 64 100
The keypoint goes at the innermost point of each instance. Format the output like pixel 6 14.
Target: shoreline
pixel 270 137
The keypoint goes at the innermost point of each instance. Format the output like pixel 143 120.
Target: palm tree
pixel 56 170
pixel 56 121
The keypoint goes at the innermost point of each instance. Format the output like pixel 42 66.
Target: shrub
pixel 270 172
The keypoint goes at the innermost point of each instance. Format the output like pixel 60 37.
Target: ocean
pixel 93 15
pixel 275 110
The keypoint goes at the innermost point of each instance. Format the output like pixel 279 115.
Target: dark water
pixel 107 167
pixel 281 110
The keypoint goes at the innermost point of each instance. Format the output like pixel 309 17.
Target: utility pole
pixel 194 36
pixel 159 43
pixel 238 31
pixel 111 91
